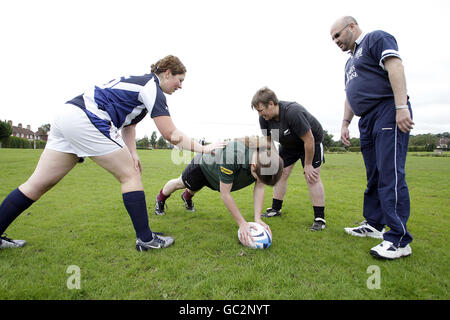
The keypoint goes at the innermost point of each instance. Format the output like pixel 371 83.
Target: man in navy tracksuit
pixel 375 88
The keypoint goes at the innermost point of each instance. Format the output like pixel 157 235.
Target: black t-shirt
pixel 294 121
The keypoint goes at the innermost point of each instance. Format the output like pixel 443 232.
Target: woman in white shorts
pixel 100 124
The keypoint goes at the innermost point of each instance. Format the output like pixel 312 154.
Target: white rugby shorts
pixel 72 132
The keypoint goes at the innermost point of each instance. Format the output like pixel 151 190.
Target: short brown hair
pixel 171 63
pixel 268 167
pixel 264 96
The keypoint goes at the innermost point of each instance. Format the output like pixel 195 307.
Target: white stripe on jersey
pixel 92 106
pixel 388 53
pixel 148 95
pixel 127 86
pixel 133 114
pixel 143 95
pixel 148 89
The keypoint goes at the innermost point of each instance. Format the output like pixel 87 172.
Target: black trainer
pixel 319 224
pixel 188 204
pixel 271 213
pixel 159 207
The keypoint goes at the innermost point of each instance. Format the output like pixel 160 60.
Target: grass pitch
pixel 82 224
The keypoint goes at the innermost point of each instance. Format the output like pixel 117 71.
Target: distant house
pixel 442 146
pixel 27 133
pixel 443 143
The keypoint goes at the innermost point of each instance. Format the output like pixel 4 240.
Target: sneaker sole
pixel 12 246
pixel 315 229
pixel 142 248
pixel 267 216
pixel 375 254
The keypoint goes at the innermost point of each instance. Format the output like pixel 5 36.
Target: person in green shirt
pixel 241 163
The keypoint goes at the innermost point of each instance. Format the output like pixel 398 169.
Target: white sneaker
pixel 387 250
pixel 10 243
pixel 157 242
pixel 365 230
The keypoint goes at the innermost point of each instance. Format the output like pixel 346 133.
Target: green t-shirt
pixel 229 165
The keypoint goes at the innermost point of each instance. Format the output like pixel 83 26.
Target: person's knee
pixel 34 189
pixel 315 184
pixel 180 184
pixel 130 177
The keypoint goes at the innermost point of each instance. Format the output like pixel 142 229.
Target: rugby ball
pixel 262 238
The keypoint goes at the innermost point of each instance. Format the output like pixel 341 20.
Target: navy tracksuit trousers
pixel 384 148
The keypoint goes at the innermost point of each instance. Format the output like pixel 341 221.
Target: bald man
pixel 375 87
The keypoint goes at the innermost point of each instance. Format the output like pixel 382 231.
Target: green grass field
pixel 82 222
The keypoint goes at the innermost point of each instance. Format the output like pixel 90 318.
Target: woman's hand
pixel 137 163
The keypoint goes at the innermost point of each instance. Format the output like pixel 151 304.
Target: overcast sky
pixel 51 51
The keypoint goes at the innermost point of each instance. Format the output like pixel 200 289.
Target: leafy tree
pixel 427 141
pixel 5 130
pixel 354 142
pixel 328 141
pixel 44 129
pixel 430 147
pixel 423 140
pixel 443 135
pixel 161 143
pixel 153 139
pixel 143 143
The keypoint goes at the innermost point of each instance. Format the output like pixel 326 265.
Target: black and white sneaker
pixel 319 224
pixel 159 207
pixel 387 250
pixel 365 230
pixel 158 242
pixel 188 204
pixel 271 213
pixel 10 243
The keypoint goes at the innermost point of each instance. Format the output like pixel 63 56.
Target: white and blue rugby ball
pixel 261 236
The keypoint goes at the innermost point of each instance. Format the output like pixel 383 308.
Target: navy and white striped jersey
pixel 366 80
pixel 123 101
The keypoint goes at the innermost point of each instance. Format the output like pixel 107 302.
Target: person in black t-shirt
pixel 300 136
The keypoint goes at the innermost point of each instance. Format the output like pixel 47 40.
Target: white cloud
pixel 432 118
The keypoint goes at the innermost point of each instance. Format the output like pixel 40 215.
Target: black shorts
pixel 291 156
pixel 193 177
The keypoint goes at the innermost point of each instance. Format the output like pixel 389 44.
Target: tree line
pixel 420 142
pixel 153 142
